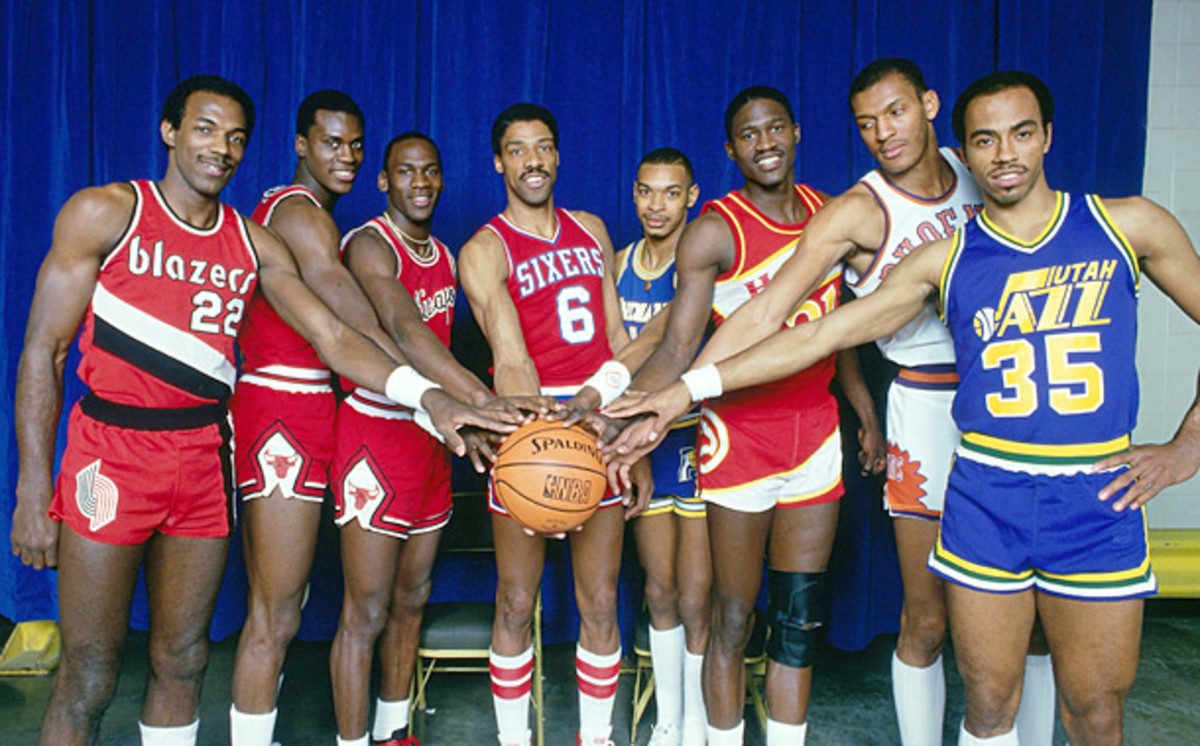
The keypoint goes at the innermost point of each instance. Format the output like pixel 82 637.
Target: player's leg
pixel 693 573
pixel 1095 645
pixel 656 541
pixel 401 634
pixel 519 562
pixel 991 635
pixel 595 565
pixel 369 569
pixel 1039 701
pixel 95 590
pixel 279 536
pixel 918 679
pixel 738 541
pixel 801 542
pixel 183 578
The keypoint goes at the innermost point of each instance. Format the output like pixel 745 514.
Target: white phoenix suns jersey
pixel 912 221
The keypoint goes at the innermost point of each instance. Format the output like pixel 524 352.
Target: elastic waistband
pixel 146 418
pixel 940 377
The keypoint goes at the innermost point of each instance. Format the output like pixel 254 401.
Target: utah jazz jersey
pixel 1044 337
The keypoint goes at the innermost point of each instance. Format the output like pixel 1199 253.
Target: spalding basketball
pixel 548 477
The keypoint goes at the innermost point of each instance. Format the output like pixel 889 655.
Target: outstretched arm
pixel 1167 257
pixel 87 228
pixel 872 454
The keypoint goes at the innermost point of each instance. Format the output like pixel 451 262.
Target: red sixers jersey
pixel 160 329
pixel 761 246
pixel 557 286
pixel 266 338
pixel 431 281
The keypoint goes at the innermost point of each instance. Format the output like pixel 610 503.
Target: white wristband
pixel 610 381
pixel 423 421
pixel 703 383
pixel 406 386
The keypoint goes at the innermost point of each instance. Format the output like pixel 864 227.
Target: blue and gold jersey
pixel 1044 336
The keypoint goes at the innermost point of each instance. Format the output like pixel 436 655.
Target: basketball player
pixel 391 479
pixel 672 535
pixel 540 280
pixel 158 274
pixel 917 194
pixel 284 407
pixel 1043 508
pixel 770 460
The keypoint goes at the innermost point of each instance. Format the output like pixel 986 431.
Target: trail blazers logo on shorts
pixel 96 495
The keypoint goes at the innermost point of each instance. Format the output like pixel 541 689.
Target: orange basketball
pixel 548 477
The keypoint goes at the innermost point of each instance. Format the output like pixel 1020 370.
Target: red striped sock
pixel 597 675
pixel 512 679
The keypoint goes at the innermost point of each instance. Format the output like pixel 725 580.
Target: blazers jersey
pixel 761 246
pixel 267 339
pixel 161 325
pixel 1045 339
pixel 910 222
pixel 432 281
pixel 557 286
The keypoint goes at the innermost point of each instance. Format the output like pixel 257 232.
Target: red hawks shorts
pixel 388 474
pixel 757 458
pixel 122 480
pixel 284 437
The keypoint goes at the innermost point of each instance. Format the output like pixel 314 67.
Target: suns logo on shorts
pixel 904 479
pixel 96 495
pixel 713 444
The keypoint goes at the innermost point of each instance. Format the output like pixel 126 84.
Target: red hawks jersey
pixel 160 329
pixel 266 338
pixel 761 246
pixel 557 286
pixel 431 281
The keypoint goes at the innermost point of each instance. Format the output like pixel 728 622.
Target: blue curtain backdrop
pixel 83 82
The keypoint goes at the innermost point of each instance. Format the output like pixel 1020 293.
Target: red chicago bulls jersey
pixel 557 287
pixel 160 329
pixel 761 246
pixel 267 339
pixel 431 281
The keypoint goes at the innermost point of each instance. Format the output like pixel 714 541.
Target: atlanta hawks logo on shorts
pixel 96 495
pixel 362 493
pixel 713 443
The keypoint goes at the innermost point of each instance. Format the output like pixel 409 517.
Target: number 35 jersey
pixel 557 286
pixel 161 325
pixel 1045 336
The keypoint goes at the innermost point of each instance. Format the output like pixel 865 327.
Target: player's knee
pixel 598 609
pixel 1094 717
pixel 662 601
pixel 695 609
pixel 411 599
pixel 515 607
pixel 991 707
pixel 180 659
pixel 87 679
pixel 923 631
pixel 732 624
pixel 796 616
pixel 364 615
pixel 273 624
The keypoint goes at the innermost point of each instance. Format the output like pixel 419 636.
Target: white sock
pixel 524 739
pixel 666 655
pixel 512 679
pixel 251 729
pixel 597 675
pixel 920 697
pixel 1004 739
pixel 695 715
pixel 389 718
pixel 731 737
pixel 1035 718
pixel 172 735
pixel 786 734
pixel 360 741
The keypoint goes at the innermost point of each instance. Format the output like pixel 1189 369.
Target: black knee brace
pixel 796 614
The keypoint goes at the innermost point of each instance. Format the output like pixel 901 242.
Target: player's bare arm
pixel 1167 257
pixel 348 352
pixel 872 454
pixel 847 228
pixel 482 270
pixel 312 237
pixel 86 230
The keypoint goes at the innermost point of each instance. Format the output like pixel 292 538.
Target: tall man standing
pixel 158 274
pixel 1043 512
pixel 540 280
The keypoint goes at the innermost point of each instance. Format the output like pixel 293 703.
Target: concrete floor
pixel 851 703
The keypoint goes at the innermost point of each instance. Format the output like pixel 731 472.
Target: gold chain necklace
pixel 420 246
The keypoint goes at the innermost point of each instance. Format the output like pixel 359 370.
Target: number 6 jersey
pixel 1045 338
pixel 160 329
pixel 557 287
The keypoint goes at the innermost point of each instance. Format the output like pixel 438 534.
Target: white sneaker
pixel 665 734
